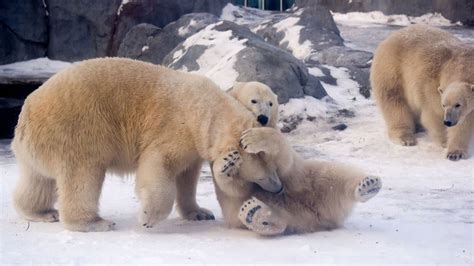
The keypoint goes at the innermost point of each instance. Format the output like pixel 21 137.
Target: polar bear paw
pixel 258 217
pixel 456 155
pixel 368 188
pixel 254 140
pixel 231 164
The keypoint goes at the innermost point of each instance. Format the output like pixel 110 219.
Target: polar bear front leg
pixel 260 218
pixel 267 140
pixel 459 137
pixel 186 185
pixel 156 189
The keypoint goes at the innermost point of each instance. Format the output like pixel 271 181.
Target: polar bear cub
pixel 125 116
pixel 259 99
pixel 317 195
pixel 423 75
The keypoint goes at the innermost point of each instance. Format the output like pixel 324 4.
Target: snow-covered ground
pixel 423 215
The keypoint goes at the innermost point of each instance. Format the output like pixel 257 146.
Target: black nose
pixel 262 119
pixel 447 123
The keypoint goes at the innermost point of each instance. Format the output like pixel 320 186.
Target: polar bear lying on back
pixel 318 195
pixel 126 116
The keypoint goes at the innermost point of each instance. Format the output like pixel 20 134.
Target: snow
pixel 373 18
pixel 422 215
pixel 36 67
pixel 182 31
pixel 218 60
pixel 244 15
pixel 292 36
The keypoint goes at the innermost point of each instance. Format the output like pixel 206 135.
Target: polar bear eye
pixel 457 105
pixel 271 104
pixel 253 101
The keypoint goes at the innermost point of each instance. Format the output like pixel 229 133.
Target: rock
pixel 357 62
pixel 341 56
pixel 158 13
pixel 23 30
pixel 340 127
pixel 150 43
pixel 9 110
pixel 302 31
pixel 80 29
pixel 227 52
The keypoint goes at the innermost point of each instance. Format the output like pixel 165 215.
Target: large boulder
pixel 23 30
pixel 227 52
pixel 80 29
pixel 158 13
pixel 357 62
pixel 301 30
pixel 149 43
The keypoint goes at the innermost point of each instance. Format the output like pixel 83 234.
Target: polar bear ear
pixel 235 87
pixel 440 90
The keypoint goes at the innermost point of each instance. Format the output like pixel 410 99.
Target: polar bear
pixel 125 116
pixel 317 195
pixel 259 99
pixel 408 70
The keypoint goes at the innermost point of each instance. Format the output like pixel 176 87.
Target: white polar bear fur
pixel 408 70
pixel 318 195
pixel 126 116
pixel 259 99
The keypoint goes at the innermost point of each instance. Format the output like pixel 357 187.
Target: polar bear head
pixel 457 99
pixel 259 99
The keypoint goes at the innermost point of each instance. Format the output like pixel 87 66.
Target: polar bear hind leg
pixel 368 188
pixel 260 218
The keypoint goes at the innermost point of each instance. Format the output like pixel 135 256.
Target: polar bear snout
pixel 271 184
pixel 262 119
pixel 449 123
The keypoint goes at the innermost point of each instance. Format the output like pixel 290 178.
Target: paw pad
pixel 368 188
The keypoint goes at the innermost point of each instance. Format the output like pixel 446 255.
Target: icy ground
pixel 424 213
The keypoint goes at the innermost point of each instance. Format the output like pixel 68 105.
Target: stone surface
pixel 158 13
pixel 23 30
pixel 150 43
pixel 9 110
pixel 256 60
pixel 80 29
pixel 313 24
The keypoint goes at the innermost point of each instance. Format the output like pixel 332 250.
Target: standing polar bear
pixel 425 75
pixel 125 115
pixel 317 195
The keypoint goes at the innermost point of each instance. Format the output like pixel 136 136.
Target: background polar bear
pixel 410 69
pixel 124 115
pixel 259 99
pixel 318 195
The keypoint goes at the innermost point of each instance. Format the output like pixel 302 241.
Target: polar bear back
pixel 111 109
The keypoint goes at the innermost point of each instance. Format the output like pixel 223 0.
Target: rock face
pixel 454 10
pixel 357 62
pixel 150 43
pixel 313 25
pixel 9 110
pixel 23 30
pixel 246 55
pixel 85 29
pixel 158 13
pixel 80 29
